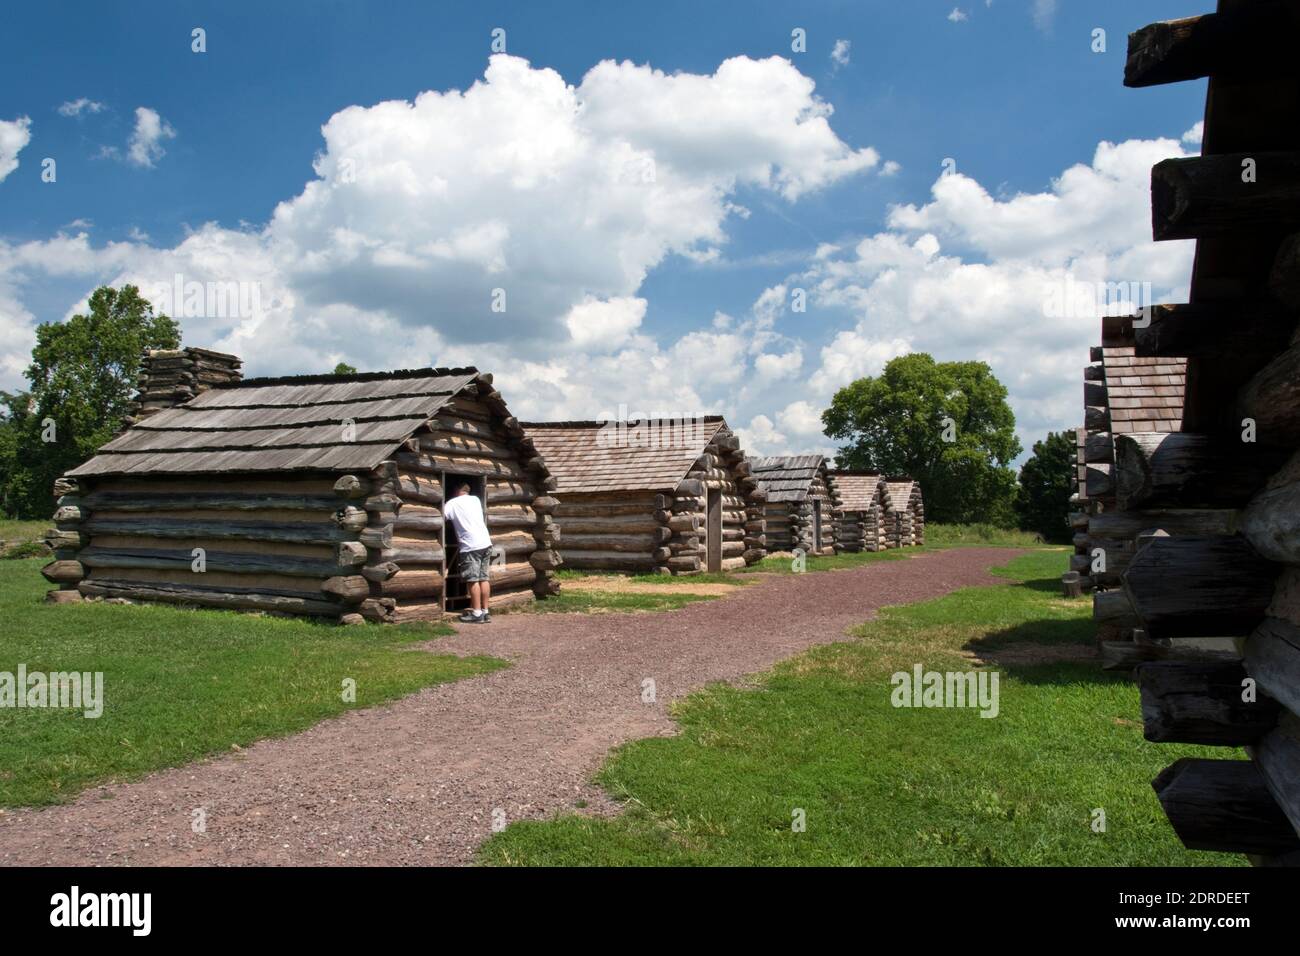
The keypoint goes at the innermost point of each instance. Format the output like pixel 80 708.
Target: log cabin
pixel 800 504
pixel 312 495
pixel 1213 504
pixel 666 497
pixel 904 513
pixel 860 514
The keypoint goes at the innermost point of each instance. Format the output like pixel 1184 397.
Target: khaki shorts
pixel 474 565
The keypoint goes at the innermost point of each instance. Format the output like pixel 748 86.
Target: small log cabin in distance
pixel 904 513
pixel 860 516
pixel 800 510
pixel 655 496
pixel 316 495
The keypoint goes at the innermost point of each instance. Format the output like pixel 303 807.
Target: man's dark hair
pixel 462 488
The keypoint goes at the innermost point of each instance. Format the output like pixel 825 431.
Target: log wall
pixel 1212 587
pixel 352 547
pixel 666 532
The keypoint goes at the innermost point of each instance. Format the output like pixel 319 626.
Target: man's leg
pixel 475 595
pixel 486 587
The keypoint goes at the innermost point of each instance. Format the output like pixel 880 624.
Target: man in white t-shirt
pixel 465 512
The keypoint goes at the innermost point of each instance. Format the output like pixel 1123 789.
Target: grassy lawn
pixel 23 539
pixel 896 786
pixel 181 684
pixel 596 601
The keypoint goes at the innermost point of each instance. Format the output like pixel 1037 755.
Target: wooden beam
pixel 1210 586
pixel 1177 521
pixel 1223 806
pixel 1127 655
pixel 1251 41
pixel 1187 470
pixel 1206 196
pixel 1272 657
pixel 1247 333
pixel 1272 400
pixel 1193 703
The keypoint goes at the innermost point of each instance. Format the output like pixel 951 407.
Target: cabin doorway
pixel 455 593
pixel 713 531
pixel 817 526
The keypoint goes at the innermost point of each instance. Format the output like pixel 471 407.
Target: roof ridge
pixel 327 379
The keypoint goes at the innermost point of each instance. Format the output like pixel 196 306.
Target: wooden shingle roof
pixel 858 491
pixel 283 424
pixel 786 477
pixel 595 456
pixel 899 493
pixel 1144 394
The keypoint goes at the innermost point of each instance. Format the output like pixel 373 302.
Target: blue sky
pixel 1010 90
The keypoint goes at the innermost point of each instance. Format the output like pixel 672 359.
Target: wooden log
pixel 428 522
pixel 350 553
pixel 1127 655
pixel 1224 806
pixel 577 508
pixel 545 505
pixel 512 575
pixel 1185 470
pixel 545 559
pixel 1252 331
pixel 227 599
pixel 435 464
pixel 294 532
pixel 407 552
pixel 687 523
pixel 379 573
pixel 1206 196
pixel 684 563
pixel 690 488
pixel 379 610
pixel 1113 608
pixel 379 538
pixel 63 572
pixel 350 486
pixel 1099 481
pixel 1201 703
pixel 1099 448
pixel 1126 524
pixel 411 584
pixel 182 559
pixel 421 488
pixel 350 589
pixel 207 501
pixel 1272 399
pixel 1271 522
pixel 612 542
pixel 621 524
pixel 1272 657
pixel 1199 586
pixel 1277 755
pixel 608 561
pixel 1096 418
pixel 1247 42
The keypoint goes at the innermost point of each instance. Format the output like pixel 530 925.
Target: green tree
pixel 82 379
pixel 1046 483
pixel 946 424
pixel 343 368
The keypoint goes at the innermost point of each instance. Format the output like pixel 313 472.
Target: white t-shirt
pixel 465 512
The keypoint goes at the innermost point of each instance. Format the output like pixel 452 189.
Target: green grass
pixel 180 684
pixel 979 535
pixel 666 580
pixel 23 539
pixel 891 786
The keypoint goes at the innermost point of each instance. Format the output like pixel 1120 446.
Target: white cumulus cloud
pixel 145 148
pixel 14 135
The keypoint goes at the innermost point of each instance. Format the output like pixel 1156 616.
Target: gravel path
pixel 417 781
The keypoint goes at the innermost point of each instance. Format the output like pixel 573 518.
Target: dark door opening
pixel 817 526
pixel 713 531
pixel 455 593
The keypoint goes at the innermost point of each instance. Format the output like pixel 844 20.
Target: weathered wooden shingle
pixel 612 456
pixel 306 423
pixel 858 491
pixel 786 477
